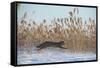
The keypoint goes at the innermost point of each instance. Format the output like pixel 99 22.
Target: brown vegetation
pixel 77 35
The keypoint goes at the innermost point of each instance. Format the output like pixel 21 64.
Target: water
pixel 50 55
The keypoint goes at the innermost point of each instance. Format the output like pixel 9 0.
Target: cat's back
pixel 49 43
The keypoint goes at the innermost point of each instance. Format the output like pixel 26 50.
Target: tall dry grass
pixel 77 34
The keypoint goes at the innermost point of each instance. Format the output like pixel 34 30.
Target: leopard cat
pixel 51 44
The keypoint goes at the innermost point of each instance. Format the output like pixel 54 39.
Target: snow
pixel 51 55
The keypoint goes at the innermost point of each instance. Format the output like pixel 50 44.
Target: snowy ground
pixel 50 55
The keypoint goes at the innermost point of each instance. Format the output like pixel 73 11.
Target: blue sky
pixel 49 12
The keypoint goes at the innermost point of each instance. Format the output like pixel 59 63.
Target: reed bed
pixel 78 35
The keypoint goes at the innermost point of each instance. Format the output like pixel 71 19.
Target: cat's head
pixel 61 42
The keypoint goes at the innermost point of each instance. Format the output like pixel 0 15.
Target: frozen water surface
pixel 50 55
